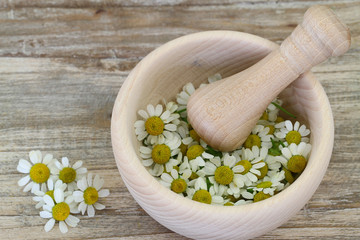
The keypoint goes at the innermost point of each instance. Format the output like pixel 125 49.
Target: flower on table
pixel 89 193
pixel 49 190
pixel 69 174
pixel 38 170
pixel 59 209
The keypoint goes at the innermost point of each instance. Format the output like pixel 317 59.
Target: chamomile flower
pixel 159 157
pixel 69 174
pixel 183 97
pixel 293 133
pixel 294 157
pixel 38 170
pixel 252 161
pixel 89 194
pixel 259 137
pixel 225 172
pixel 49 190
pixel 176 182
pixel 270 184
pixel 59 209
pixel 157 125
pixel 198 191
pixel 197 157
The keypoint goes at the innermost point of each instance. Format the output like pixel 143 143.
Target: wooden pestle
pixel 223 113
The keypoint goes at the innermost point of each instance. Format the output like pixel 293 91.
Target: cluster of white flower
pixel 61 189
pixel 272 157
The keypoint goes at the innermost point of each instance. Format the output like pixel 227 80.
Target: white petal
pixel 69 199
pixel 82 207
pixel 145 150
pixel 24 165
pixel 23 181
pixel 78 196
pixel 89 179
pixel 165 115
pixel 158 110
pixel 293 149
pixel 45 214
pixel 174 173
pixel 63 227
pixel 146 163
pixel 166 177
pixel 151 110
pixel 286 152
pixel 58 165
pixel 48 159
pixel 104 193
pixel 48 200
pixel 77 164
pixel 81 171
pixel 143 114
pixel 35 156
pixel 252 177
pixel 47 208
pixel 49 225
pixel 28 187
pixel 238 169
pixel 35 187
pixel 288 125
pixel 99 206
pixel 65 162
pixel 50 184
pixel 98 182
pixel 296 126
pixel 301 148
pixel 91 211
pixel 58 195
pixel 216 199
pixel 170 127
pixel 72 221
pixel 82 184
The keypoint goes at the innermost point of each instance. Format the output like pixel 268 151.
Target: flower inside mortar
pixel 89 193
pixel 157 125
pixel 293 133
pixel 38 170
pixel 294 157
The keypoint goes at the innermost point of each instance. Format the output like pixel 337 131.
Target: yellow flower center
pixel 51 194
pixel 194 135
pixel 91 196
pixel 288 176
pixel 252 140
pixel 224 175
pixel 229 204
pixel 261 196
pixel 178 185
pixel 265 116
pixel 279 120
pixel 271 129
pixel 161 154
pixel 39 173
pixel 183 149
pixel 67 175
pixel 194 151
pixel 246 164
pixel 60 211
pixel 263 171
pixel 154 125
pixel 293 137
pixel 296 164
pixel 202 196
pixel 193 176
pixel 265 184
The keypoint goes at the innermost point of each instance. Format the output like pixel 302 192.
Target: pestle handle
pixel 223 113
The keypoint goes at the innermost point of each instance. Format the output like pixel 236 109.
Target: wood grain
pixel 63 62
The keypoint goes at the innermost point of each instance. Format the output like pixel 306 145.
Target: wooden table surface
pixel 62 64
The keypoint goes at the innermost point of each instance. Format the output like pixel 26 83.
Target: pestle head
pixel 224 113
